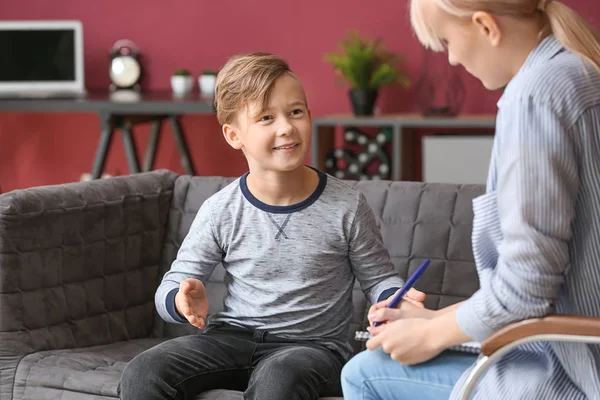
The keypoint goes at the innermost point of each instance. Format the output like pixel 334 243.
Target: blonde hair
pixel 571 30
pixel 246 78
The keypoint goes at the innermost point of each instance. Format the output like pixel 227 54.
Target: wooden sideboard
pixel 405 136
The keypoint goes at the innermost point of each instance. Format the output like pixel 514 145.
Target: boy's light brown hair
pixel 244 79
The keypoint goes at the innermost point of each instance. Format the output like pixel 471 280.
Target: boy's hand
pixel 413 295
pixel 411 307
pixel 191 302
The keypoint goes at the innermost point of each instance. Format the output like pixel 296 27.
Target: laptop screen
pixel 37 55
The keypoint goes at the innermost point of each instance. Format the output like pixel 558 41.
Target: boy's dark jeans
pixel 261 365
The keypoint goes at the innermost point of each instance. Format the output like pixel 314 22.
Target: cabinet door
pixel 456 159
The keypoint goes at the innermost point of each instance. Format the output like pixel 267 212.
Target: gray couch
pixel 79 264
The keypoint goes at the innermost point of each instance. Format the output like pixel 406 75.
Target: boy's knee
pixel 132 375
pixel 302 371
pixel 138 376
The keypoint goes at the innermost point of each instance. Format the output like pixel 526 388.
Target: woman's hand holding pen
pixel 404 334
pixel 409 341
pixel 413 340
pixel 191 302
pixel 411 307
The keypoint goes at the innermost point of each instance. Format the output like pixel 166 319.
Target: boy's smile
pixel 287 147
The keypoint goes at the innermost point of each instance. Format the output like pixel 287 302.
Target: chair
pixel 559 328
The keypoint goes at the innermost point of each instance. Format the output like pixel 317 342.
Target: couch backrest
pixel 421 221
pixel 417 221
pixel 79 262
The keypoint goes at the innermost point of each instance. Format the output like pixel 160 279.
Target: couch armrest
pixel 79 263
pixel 550 325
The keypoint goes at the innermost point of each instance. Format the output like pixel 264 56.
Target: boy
pixel 292 240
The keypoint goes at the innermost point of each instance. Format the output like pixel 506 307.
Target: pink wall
pixel 45 148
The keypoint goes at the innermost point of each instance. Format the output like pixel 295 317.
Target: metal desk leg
pixel 182 146
pixel 130 150
pixel 396 152
pixel 104 145
pixel 152 145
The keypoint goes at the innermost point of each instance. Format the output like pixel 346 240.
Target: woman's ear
pixel 488 26
pixel 231 135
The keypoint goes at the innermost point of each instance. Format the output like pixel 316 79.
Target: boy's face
pixel 278 138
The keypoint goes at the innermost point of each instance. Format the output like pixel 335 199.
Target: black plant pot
pixel 363 101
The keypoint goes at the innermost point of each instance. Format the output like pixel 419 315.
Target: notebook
pixel 467 347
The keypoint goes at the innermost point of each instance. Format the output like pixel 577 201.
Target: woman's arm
pixel 537 187
pixel 449 309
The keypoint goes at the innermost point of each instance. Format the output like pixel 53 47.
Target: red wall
pixel 46 148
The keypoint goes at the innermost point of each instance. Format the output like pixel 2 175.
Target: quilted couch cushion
pixel 87 374
pixel 79 264
pixel 76 374
pixel 421 221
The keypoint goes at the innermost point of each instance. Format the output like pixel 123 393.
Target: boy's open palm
pixel 191 302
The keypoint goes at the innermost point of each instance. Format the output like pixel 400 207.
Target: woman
pixel 536 231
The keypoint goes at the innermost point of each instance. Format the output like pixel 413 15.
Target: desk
pixel 403 139
pixel 122 110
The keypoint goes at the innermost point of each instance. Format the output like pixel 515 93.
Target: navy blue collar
pixel 284 209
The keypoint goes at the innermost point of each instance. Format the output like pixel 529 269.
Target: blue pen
pixel 410 282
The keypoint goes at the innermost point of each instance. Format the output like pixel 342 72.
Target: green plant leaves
pixel 365 64
pixel 182 72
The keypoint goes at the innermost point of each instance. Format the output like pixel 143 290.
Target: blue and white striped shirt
pixel 536 231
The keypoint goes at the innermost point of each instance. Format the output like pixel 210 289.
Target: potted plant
pixel 182 82
pixel 206 82
pixel 366 65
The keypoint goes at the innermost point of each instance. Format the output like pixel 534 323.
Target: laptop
pixel 41 59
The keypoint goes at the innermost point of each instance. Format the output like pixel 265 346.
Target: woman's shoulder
pixel 566 84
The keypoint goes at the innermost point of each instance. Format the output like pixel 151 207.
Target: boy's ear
pixel 488 26
pixel 231 135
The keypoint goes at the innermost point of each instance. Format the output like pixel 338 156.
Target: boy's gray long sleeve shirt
pixel 290 270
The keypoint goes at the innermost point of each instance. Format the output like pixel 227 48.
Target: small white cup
pixel 182 84
pixel 207 84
